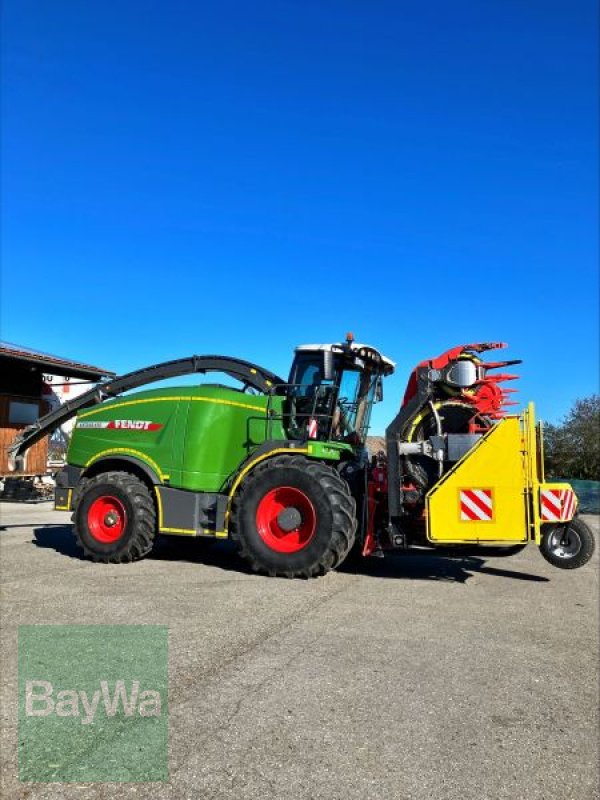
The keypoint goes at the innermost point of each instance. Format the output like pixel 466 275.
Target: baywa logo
pixel 93 703
pixel 41 702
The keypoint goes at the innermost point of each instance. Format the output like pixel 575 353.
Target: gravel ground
pixel 414 677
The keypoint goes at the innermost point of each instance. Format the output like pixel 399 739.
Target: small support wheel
pixel 115 518
pixel 568 546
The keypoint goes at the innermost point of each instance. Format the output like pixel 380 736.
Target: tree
pixel 572 448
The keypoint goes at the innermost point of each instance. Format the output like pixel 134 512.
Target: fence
pixel 588 494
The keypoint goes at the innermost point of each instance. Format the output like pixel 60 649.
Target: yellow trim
pixel 541 465
pixel 181 531
pixel 159 505
pixel 127 450
pixel 216 400
pixel 247 468
pixel 221 402
pixel 68 506
pixel 530 453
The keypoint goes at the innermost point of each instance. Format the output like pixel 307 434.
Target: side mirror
pixel 327 365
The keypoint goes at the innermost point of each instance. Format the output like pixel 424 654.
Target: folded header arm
pixel 247 373
pixel 484 394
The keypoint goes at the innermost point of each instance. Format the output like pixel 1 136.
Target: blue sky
pixel 241 177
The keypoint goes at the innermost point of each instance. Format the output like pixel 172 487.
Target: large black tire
pixel 321 504
pixel 567 546
pixel 115 518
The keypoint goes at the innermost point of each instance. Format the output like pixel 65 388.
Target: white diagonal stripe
pixel 565 502
pixel 570 505
pixel 475 509
pixel 550 495
pixel 484 497
pixel 548 513
pixel 552 499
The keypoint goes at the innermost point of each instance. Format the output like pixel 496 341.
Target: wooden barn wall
pixel 38 454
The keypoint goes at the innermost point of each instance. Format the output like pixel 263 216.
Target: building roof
pixel 55 365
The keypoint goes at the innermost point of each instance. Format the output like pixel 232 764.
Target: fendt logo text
pixel 42 701
pixel 123 425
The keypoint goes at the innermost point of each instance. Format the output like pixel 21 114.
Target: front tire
pixel 293 517
pixel 115 518
pixel 568 546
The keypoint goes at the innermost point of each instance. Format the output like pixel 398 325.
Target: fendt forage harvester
pixel 281 468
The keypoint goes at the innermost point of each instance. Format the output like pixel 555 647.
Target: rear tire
pixel 293 517
pixel 568 546
pixel 115 518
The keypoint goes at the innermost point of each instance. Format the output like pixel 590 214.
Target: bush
pixel 572 448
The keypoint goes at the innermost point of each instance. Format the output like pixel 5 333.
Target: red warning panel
pixel 476 505
pixel 557 504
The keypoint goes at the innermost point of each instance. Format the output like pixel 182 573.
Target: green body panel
pixel 220 435
pixel 328 450
pixel 191 437
pixel 156 448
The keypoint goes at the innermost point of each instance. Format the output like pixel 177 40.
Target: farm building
pixel 31 383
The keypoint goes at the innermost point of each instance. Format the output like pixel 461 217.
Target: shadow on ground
pixel 428 565
pixel 412 565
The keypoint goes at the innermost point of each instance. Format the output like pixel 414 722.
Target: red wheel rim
pixel 107 519
pixel 286 519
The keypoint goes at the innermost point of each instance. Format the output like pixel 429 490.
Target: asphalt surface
pixel 416 677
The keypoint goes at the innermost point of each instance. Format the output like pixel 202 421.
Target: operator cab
pixel 332 388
